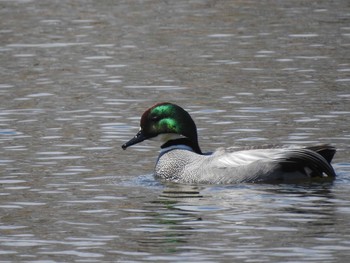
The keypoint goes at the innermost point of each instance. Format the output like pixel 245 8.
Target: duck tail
pixel 312 161
pixel 326 151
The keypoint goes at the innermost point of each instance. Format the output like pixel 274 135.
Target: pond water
pixel 77 75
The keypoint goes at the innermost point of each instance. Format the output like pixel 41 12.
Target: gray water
pixel 77 75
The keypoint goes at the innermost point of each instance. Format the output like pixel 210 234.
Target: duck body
pixel 266 165
pixel 181 159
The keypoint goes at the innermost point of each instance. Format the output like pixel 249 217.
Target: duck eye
pixel 155 118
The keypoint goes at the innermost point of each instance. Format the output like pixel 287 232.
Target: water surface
pixel 77 75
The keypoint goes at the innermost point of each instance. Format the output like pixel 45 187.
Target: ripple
pixel 64 157
pixel 99 148
pixel 12 181
pixel 78 169
pixel 115 66
pixel 266 52
pixel 28 55
pixel 51 153
pixel 340 112
pixel 42 94
pixel 307 119
pixel 220 35
pixel 73 253
pixel 83 201
pixel 255 139
pixel 286 60
pixel 313 57
pixel 227 62
pixel 252 69
pixel 113 81
pixel 6 86
pixel 260 109
pixel 29 203
pixel 11 227
pixel 343 80
pixel 47 45
pixel 160 87
pixel 7 252
pixel 98 57
pixel 306 35
pixel 11 207
pixel 344 70
pixel 8 132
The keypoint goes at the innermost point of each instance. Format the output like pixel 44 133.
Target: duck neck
pixel 183 141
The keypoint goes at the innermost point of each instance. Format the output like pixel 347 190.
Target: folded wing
pixel 277 164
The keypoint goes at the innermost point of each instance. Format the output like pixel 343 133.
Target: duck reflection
pixel 182 218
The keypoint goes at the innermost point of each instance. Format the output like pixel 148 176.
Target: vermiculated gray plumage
pixel 291 164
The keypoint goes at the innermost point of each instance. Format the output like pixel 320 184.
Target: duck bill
pixel 139 137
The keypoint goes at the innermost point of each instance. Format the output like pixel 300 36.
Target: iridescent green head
pixel 166 119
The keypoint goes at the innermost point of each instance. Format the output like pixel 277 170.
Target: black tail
pixel 326 151
pixel 313 161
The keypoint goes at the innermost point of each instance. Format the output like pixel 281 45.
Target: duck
pixel 181 160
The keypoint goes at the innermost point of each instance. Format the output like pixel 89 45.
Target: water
pixel 77 75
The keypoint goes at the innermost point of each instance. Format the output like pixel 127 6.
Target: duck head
pixel 169 122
